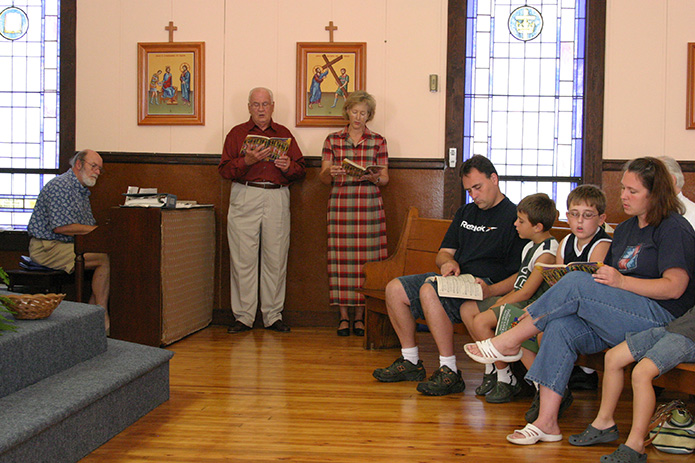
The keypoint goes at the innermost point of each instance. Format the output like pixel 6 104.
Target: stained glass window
pixel 29 102
pixel 523 101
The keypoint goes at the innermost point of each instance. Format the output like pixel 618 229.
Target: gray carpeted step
pixel 40 348
pixel 64 417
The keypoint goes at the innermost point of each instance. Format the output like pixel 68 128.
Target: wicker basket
pixel 32 306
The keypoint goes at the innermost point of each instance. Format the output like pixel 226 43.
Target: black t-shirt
pixel 648 252
pixel 486 242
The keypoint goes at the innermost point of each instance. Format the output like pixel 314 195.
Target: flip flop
pixel 591 436
pixel 489 354
pixel 533 435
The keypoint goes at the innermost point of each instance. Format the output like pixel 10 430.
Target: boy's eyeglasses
pixel 586 215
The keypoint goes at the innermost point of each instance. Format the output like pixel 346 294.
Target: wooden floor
pixel 309 396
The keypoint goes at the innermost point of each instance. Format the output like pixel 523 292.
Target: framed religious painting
pixel 171 83
pixel 690 105
pixel 326 74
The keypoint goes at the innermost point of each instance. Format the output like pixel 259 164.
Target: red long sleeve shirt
pixel 233 166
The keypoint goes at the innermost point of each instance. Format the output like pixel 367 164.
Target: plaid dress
pixel 356 220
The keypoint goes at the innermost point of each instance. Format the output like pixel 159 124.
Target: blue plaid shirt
pixel 62 201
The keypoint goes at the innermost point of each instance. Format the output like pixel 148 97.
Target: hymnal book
pixel 460 286
pixel 279 146
pixel 553 272
pixel 355 170
pixel 509 317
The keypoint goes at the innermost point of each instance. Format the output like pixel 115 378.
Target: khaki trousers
pixel 258 223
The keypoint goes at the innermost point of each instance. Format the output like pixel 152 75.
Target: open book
pixel 461 286
pixel 355 170
pixel 553 272
pixel 509 318
pixel 278 145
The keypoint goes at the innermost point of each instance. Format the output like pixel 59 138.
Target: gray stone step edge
pixel 36 408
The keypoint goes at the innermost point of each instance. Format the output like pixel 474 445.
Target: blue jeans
pixel 579 316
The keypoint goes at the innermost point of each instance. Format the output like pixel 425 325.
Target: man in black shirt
pixel 482 241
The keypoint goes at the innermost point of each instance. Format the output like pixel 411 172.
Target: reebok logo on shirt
pixel 477 228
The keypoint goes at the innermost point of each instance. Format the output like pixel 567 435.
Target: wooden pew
pixel 416 251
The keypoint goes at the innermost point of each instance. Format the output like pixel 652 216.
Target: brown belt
pixel 265 186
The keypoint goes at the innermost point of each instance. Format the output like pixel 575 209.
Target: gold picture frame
pixel 326 74
pixel 171 83
pixel 690 105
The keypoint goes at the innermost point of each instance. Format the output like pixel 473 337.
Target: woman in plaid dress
pixel 356 220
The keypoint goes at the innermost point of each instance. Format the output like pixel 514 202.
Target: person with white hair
pixel 678 181
pixel 258 220
pixel 63 210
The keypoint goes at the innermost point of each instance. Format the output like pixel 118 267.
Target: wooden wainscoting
pixel 413 183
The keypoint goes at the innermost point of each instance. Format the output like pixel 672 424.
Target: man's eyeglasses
pixel 95 167
pixel 586 215
pixel 263 105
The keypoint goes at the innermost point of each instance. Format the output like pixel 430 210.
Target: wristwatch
pixel 378 181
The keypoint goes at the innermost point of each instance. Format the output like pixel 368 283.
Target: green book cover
pixel 509 317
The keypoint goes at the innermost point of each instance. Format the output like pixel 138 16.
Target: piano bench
pixel 37 281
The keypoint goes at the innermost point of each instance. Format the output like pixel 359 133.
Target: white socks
pixel 411 354
pixel 490 368
pixel 505 375
pixel 448 361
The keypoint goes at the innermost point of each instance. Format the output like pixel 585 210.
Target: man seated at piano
pixel 62 211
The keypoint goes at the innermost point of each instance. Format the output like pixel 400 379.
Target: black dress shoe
pixel 238 327
pixel 344 331
pixel 280 326
pixel 358 331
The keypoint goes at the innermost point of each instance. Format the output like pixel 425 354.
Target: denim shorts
pixel 662 347
pixel 412 284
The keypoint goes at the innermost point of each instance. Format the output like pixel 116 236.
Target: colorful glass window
pixel 524 90
pixel 29 102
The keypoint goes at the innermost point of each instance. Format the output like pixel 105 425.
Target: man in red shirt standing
pixel 259 215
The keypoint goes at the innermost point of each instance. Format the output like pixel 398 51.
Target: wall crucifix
pixel 171 28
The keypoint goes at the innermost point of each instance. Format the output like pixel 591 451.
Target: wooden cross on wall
pixel 171 28
pixel 330 28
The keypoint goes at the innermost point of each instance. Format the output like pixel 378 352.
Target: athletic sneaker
pixel 489 381
pixel 503 393
pixel 443 382
pixel 401 370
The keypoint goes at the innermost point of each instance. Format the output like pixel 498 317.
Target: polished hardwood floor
pixel 309 396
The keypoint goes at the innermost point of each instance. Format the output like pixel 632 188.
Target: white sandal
pixel 489 354
pixel 532 435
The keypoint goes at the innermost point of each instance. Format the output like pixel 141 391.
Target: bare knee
pixel 469 310
pixel 394 291
pixel 644 372
pixel 97 261
pixel 396 298
pixel 484 322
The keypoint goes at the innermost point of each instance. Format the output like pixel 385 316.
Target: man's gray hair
pixel 674 169
pixel 78 157
pixel 270 92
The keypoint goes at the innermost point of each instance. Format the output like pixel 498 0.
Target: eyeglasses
pixel 264 105
pixel 95 167
pixel 586 215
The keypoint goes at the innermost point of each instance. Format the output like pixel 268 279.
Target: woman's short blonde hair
pixel 358 97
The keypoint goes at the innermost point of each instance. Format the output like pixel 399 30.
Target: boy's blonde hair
pixel 591 195
pixel 539 208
